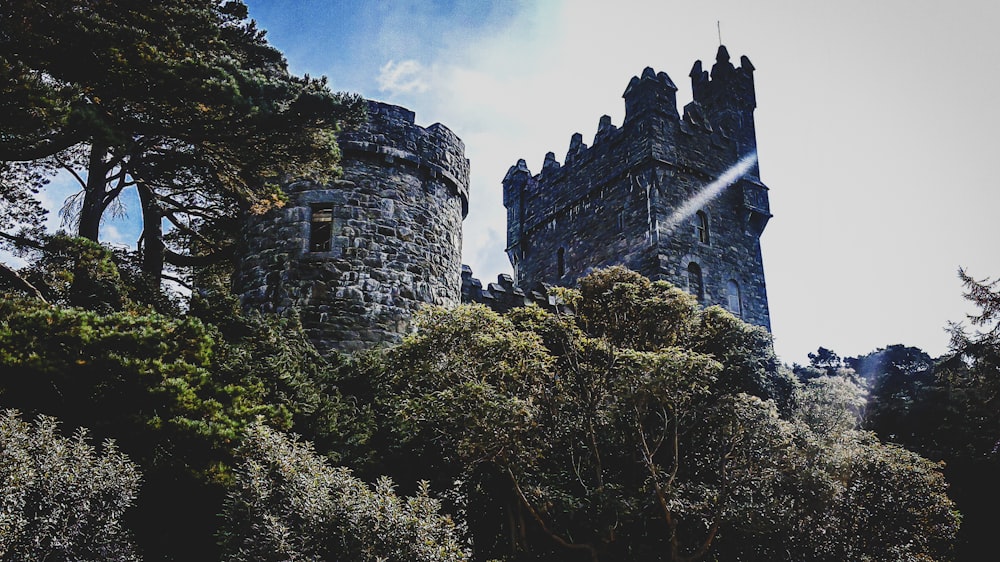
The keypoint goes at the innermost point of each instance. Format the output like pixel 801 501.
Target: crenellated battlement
pixel 616 201
pixel 650 101
pixel 390 134
pixel 504 295
pixel 726 84
pixel 357 257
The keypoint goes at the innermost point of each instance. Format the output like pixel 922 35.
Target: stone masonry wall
pixel 617 202
pixel 395 237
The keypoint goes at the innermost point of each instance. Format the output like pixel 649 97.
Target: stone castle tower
pixel 674 197
pixel 358 257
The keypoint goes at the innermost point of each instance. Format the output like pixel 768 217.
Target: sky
pixel 877 128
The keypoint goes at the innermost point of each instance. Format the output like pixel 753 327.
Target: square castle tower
pixel 673 197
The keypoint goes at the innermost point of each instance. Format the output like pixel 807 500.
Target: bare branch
pixel 177 280
pixel 188 230
pixel 68 168
pixel 545 528
pixel 173 258
pixel 8 274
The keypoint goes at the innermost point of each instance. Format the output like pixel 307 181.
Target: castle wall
pixel 395 238
pixel 616 202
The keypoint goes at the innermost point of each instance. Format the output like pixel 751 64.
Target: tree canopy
pixel 186 101
pixel 641 427
pixel 644 428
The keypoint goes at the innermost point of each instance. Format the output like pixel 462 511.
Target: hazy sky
pixel 877 127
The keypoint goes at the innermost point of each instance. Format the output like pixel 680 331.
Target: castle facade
pixel 674 197
pixel 358 257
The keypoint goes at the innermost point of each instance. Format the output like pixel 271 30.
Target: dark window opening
pixel 321 229
pixel 694 282
pixel 701 227
pixel 562 261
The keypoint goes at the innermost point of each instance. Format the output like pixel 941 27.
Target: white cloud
pixel 111 234
pixel 404 77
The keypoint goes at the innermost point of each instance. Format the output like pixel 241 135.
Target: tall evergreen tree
pixel 185 100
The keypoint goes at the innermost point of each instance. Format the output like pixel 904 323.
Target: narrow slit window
pixel 321 229
pixel 701 227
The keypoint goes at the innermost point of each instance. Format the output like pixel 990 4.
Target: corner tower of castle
pixel 356 258
pixel 674 197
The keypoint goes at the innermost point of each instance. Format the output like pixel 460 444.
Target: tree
pixel 641 428
pixel 824 358
pixel 176 393
pixel 289 504
pixel 946 409
pixel 863 500
pixel 973 369
pixel 966 434
pixel 184 100
pixel 904 395
pixel 62 500
pixel 830 405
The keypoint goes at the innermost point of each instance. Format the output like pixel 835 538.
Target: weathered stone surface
pixel 394 219
pixel 614 203
pixel 395 238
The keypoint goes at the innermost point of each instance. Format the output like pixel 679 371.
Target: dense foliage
pixel 946 410
pixel 60 499
pixel 177 393
pixel 288 503
pixel 644 428
pixel 641 427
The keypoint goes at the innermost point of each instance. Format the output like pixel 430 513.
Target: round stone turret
pixel 358 257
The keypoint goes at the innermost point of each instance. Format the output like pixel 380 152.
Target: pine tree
pixel 185 100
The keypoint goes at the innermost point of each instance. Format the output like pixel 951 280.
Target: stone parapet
pixel 357 257
pixel 391 135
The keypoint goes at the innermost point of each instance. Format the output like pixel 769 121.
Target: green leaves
pixel 633 312
pixel 185 100
pixel 644 428
pixel 61 499
pixel 141 378
pixel 466 381
pixel 289 504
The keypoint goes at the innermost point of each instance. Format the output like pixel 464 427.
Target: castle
pixel 674 197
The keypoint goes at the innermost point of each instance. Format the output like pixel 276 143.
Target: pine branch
pixel 12 276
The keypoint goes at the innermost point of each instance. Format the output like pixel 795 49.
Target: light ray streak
pixel 709 192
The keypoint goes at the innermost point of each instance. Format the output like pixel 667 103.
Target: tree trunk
pixel 93 195
pixel 152 236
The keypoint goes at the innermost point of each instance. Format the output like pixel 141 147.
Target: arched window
pixel 701 226
pixel 733 302
pixel 561 257
pixel 694 282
